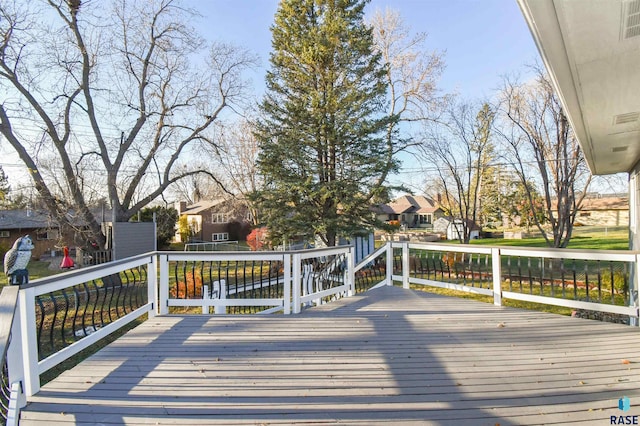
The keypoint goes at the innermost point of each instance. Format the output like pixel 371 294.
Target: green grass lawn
pixel 582 239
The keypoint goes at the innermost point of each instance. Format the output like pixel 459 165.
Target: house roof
pixel 605 203
pixel 412 204
pixel 41 219
pixel 202 206
pixel 599 203
pixel 24 219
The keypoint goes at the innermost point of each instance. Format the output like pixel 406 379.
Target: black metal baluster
pixel 574 271
pixel 219 279
pixel 193 278
pixel 261 278
pixel 244 283
pixel 64 316
pixel 95 305
pixel 553 291
pixel 520 273
pixel 224 276
pixel 127 288
pixel 118 281
pixel 259 292
pixel 177 277
pixel 135 284
pixel 211 280
pixel 613 286
pixel 84 310
pixel 626 286
pixel 6 391
pixel 202 275
pixel 488 263
pixel 139 281
pixel 141 286
pixel 509 272
pixel 41 323
pixel 564 283
pixel 529 275
pixel 53 322
pixel 76 294
pixel 599 280
pixel 104 301
pixel 541 269
pixel 110 285
pixel 586 278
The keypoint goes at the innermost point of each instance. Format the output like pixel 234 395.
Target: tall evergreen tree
pixel 324 156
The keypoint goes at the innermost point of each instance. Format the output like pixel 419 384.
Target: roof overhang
pixel 591 49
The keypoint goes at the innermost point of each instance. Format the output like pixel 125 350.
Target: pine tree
pixel 324 156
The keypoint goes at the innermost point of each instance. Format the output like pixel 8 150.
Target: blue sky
pixel 482 39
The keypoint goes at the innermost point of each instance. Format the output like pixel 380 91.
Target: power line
pixel 474 167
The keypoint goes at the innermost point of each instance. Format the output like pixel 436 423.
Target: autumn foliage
pixel 190 288
pixel 257 238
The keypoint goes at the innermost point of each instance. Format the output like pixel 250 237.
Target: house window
pixel 219 218
pixel 5 234
pixel 425 219
pixel 51 234
pixel 220 236
pixel 585 214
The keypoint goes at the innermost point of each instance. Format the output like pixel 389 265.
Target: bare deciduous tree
pixel 458 151
pixel 546 151
pixel 238 150
pixel 412 74
pixel 110 101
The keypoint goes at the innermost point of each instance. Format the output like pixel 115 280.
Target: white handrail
pixel 22 355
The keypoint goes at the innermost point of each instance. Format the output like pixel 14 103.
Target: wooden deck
pixel 391 355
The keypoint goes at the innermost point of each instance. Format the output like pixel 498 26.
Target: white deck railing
pixel 56 317
pixel 599 280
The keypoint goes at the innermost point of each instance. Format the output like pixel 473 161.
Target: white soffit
pixel 591 49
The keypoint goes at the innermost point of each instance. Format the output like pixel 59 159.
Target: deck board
pixel 388 355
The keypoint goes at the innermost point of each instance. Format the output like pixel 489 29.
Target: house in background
pixel 44 231
pixel 214 220
pixel 603 210
pixel 411 211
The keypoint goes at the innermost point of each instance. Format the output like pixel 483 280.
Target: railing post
pixel 163 308
pixel 351 274
pixel 29 341
pixel 634 291
pixel 295 282
pixel 220 310
pixel 152 285
pixel 389 278
pixel 15 360
pixel 287 284
pixel 16 401
pixel 496 266
pixel 405 265
pixel 205 299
